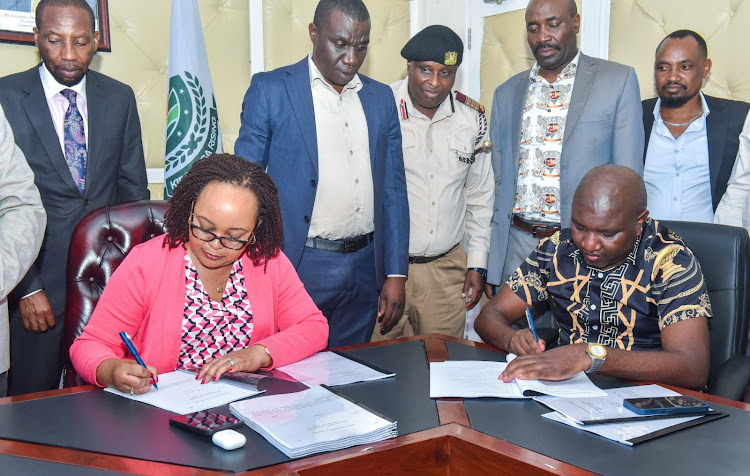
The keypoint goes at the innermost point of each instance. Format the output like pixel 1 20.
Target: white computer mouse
pixel 229 439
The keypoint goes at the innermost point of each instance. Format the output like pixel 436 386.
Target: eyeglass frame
pixel 214 236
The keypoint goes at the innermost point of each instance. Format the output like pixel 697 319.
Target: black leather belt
pixel 537 230
pixel 427 259
pixel 347 245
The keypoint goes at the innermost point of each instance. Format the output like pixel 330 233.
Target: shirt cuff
pixel 32 293
pixel 396 276
pixel 476 259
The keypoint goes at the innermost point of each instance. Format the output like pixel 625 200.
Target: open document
pixel 179 392
pixel 476 378
pixel 314 420
pixel 332 369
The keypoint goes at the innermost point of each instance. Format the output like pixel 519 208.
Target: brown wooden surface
pixel 97 460
pixel 447 449
pixel 452 448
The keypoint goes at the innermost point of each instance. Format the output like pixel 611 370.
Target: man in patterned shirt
pixel 628 295
pixel 550 125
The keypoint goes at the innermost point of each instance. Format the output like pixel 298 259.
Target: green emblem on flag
pixel 192 128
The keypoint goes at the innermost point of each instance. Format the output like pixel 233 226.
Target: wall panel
pixel 286 39
pixel 637 27
pixel 140 50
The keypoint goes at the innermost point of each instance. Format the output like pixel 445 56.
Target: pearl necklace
pixel 219 287
pixel 682 124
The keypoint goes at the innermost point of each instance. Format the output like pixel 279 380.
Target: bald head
pixel 612 189
pixel 609 210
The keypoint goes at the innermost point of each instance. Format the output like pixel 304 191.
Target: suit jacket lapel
pixel 648 122
pixel 37 109
pixel 585 74
pixel 95 103
pixel 716 132
pixel 519 100
pixel 297 83
pixel 369 105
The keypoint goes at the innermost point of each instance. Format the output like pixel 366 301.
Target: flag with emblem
pixel 192 122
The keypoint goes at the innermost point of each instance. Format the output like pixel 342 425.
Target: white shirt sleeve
pixel 734 207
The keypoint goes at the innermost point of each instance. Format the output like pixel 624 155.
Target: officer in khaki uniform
pixel 450 185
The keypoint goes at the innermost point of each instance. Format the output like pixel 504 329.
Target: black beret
pixel 436 43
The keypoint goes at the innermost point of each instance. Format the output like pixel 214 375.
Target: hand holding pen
pixel 134 353
pixel 526 341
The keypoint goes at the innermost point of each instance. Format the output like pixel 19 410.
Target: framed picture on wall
pixel 17 21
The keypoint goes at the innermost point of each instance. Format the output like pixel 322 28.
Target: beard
pixel 674 102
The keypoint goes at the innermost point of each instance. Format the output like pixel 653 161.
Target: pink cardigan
pixel 146 298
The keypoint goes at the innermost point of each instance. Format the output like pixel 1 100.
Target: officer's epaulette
pixel 464 99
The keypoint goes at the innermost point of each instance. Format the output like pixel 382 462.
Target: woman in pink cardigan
pixel 215 294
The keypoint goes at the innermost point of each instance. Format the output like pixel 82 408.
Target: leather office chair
pixel 724 255
pixel 100 242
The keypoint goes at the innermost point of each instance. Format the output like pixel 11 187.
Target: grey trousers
pixel 520 245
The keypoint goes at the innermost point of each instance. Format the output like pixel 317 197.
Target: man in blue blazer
pixel 330 139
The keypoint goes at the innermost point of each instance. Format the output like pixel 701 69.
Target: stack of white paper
pixel 332 369
pixel 312 421
pixel 475 378
pixel 607 409
pixel 607 417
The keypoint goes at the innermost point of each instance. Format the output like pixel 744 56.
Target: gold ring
pixel 231 363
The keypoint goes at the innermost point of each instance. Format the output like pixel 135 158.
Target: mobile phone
pixel 665 405
pixel 205 423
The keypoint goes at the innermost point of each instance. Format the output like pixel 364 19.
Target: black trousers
pixel 35 359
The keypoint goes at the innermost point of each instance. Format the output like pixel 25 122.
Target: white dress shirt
pixel 734 207
pixel 676 173
pixel 449 198
pixel 344 199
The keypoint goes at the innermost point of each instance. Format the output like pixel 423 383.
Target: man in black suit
pixel 80 133
pixel 691 139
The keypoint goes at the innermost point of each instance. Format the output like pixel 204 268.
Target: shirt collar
pixel 316 75
pixel 701 121
pixel 443 110
pixel 52 87
pixel 568 71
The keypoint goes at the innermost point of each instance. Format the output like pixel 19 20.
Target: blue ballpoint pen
pixel 134 352
pixel 531 324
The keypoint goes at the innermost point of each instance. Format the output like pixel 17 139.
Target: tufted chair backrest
pixel 100 242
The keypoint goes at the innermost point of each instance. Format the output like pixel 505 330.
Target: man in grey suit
pixel 549 126
pixel 80 133
pixel 22 221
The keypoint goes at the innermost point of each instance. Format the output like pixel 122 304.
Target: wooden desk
pixel 451 447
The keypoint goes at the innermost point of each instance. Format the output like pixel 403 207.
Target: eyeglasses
pixel 205 235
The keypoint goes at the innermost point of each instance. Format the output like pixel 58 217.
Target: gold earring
pixel 253 239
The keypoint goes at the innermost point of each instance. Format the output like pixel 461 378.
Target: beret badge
pixel 451 58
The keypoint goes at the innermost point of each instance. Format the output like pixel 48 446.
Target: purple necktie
pixel 75 140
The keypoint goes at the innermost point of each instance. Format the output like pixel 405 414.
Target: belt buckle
pixel 349 246
pixel 538 228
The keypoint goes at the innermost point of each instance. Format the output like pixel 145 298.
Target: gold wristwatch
pixel 598 354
